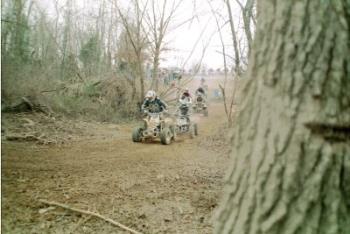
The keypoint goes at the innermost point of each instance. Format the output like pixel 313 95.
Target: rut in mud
pixel 147 186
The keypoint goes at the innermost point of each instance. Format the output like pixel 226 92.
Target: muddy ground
pixel 149 187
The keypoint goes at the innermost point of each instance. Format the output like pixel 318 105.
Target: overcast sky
pixel 203 30
pixel 195 35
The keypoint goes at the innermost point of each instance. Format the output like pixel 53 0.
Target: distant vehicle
pixel 217 94
pixel 200 104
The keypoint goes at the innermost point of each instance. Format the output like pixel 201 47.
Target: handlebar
pixel 146 112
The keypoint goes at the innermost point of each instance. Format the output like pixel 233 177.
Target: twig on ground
pixel 52 203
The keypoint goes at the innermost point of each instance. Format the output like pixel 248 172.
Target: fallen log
pixel 23 106
pixel 21 138
pixel 28 104
pixel 111 221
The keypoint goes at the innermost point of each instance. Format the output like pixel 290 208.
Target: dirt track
pixel 148 186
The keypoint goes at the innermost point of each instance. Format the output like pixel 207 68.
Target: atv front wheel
pixel 136 134
pixel 173 131
pixel 165 136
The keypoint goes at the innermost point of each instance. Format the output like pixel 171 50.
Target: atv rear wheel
pixel 136 134
pixel 206 113
pixel 165 136
pixel 192 131
pixel 195 129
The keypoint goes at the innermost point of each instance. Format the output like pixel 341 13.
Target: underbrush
pixel 104 100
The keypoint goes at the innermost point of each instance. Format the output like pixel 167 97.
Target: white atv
pixel 183 122
pixel 154 126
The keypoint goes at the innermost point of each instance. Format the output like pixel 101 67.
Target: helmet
pixel 150 95
pixel 186 92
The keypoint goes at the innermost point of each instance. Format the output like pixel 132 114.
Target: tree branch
pixel 115 223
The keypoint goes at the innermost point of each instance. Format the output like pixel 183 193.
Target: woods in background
pixel 81 60
pixel 98 58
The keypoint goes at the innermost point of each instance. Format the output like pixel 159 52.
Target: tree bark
pixel 290 170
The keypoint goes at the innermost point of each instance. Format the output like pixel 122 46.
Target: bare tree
pixel 228 105
pixel 248 16
pixel 66 42
pixel 290 169
pixel 158 23
pixel 234 38
pixel 137 38
pixel 127 61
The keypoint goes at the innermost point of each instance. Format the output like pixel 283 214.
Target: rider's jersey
pixel 154 106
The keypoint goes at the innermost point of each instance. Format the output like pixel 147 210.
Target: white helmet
pixel 150 95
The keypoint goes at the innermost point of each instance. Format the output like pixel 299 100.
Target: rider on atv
pixel 186 96
pixel 200 103
pixel 185 103
pixel 155 125
pixel 152 103
pixel 200 92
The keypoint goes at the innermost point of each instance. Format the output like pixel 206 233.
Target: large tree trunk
pixel 291 144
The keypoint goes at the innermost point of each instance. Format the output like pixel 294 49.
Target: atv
pixel 155 126
pixel 183 122
pixel 200 105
